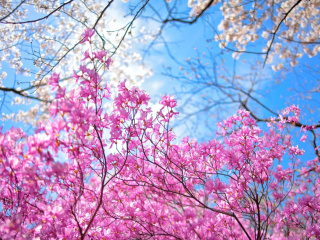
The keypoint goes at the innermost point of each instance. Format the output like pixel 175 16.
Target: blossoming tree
pixel 45 36
pixel 41 38
pixel 94 173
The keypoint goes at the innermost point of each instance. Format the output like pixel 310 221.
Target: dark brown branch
pixel 192 21
pixel 101 14
pixel 135 17
pixel 275 31
pixel 13 10
pixel 21 93
pixel 39 19
pixel 296 124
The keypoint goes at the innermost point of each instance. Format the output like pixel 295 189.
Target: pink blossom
pixel 87 35
pixel 100 55
pixel 168 101
pixel 108 62
pixel 120 173
pixel 54 80
pixel 86 55
pixel 303 138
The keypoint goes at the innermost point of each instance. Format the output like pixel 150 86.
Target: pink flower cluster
pixel 90 173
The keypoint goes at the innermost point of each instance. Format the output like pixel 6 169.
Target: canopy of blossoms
pixel 95 173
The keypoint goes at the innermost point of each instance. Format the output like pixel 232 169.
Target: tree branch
pixel 101 14
pixel 135 17
pixel 21 93
pixel 39 19
pixel 13 10
pixel 192 21
pixel 275 32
